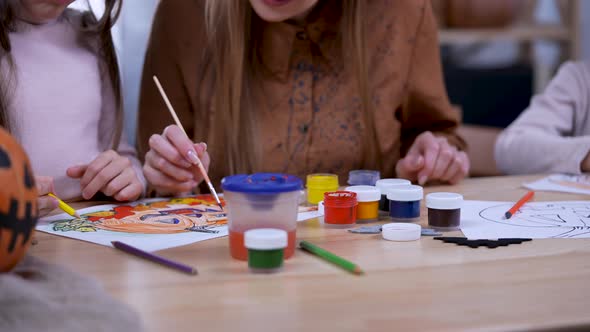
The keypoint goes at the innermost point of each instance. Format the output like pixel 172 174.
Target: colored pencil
pixel 330 257
pixel 154 258
pixel 65 207
pixel 519 204
pixel 199 164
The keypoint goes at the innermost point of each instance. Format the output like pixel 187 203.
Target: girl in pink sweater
pixel 553 134
pixel 60 96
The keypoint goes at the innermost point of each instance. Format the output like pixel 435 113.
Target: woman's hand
pixel 433 158
pixel 111 174
pixel 169 164
pixel 45 204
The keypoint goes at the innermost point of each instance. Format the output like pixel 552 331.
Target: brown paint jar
pixel 444 211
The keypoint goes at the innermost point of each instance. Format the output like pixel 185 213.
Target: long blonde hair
pixel 231 63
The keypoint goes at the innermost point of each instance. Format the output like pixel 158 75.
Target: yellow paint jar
pixel 368 198
pixel 318 184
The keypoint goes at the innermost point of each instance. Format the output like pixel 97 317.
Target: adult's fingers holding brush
pixel 164 184
pixel 162 146
pixel 182 143
pixel 158 162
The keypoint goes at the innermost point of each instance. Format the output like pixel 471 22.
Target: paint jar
pixel 262 200
pixel 318 184
pixel 266 248
pixel 340 208
pixel 384 185
pixel 368 202
pixel 444 210
pixel 363 177
pixel 404 203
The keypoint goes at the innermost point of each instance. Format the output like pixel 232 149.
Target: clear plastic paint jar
pixel 318 184
pixel 266 248
pixel 340 208
pixel 384 185
pixel 363 177
pixel 404 203
pixel 444 211
pixel 368 202
pixel 262 200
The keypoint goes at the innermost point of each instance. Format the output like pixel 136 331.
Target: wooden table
pixel 421 285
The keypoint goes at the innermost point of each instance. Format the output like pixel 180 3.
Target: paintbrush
pixel 199 164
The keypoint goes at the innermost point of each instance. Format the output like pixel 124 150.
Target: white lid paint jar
pixel 444 210
pixel 404 203
pixel 266 249
pixel 384 186
pixel 368 202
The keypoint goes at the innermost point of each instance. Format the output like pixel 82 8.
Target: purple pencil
pixel 154 258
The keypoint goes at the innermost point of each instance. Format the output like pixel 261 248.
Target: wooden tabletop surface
pixel 408 286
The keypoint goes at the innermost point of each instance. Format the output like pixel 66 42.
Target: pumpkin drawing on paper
pixel 18 202
pixel 176 215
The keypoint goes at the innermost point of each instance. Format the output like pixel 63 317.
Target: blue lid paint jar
pixel 261 200
pixel 385 185
pixel 363 177
pixel 404 203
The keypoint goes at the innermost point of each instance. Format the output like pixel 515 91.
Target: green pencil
pixel 330 257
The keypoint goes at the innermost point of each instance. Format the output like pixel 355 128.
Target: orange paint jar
pixel 368 198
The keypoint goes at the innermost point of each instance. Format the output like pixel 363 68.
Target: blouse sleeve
pixel 162 59
pixel 426 107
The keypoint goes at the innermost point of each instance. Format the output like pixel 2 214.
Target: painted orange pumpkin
pixel 18 202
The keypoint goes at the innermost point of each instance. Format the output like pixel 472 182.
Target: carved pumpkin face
pixel 18 202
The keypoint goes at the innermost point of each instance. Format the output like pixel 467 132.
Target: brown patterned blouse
pixel 310 114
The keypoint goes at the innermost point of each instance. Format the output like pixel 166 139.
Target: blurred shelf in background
pixel 517 34
pixel 464 22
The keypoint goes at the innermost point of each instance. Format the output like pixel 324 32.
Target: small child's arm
pixel 542 139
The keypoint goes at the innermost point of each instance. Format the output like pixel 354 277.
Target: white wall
pixel 130 36
pixel 135 26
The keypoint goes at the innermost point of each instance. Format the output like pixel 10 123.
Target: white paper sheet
pixel 94 227
pixel 538 220
pixel 306 213
pixel 94 230
pixel 575 184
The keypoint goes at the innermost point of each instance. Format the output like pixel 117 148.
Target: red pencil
pixel 519 204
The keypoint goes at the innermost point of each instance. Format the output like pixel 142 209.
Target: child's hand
pixel 109 173
pixel 433 158
pixel 169 162
pixel 45 204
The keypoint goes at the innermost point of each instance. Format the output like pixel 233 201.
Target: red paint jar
pixel 340 208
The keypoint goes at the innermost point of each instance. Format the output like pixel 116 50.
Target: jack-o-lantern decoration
pixel 18 202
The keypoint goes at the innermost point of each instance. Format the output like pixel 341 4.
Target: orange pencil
pixel 519 204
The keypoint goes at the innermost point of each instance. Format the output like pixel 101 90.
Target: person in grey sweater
pixel 553 134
